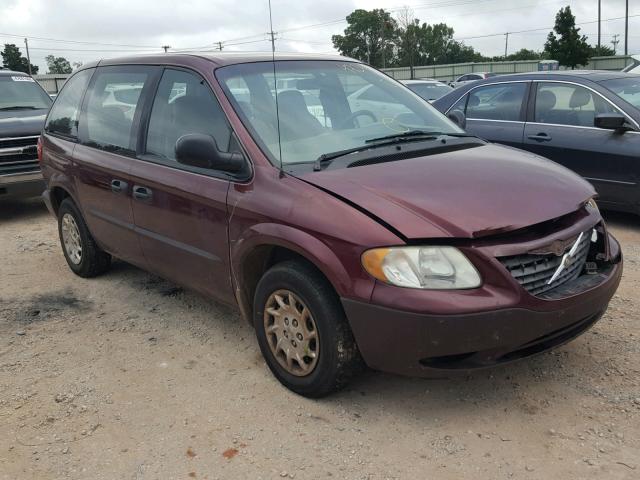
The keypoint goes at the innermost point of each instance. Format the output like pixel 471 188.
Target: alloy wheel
pixel 291 333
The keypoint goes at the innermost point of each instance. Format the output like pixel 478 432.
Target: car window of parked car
pixel 568 104
pixel 184 104
pixel 63 116
pixel 626 88
pixel 497 102
pixel 429 91
pixel 112 100
pixel 20 92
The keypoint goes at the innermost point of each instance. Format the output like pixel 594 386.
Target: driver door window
pixel 184 104
pixel 567 104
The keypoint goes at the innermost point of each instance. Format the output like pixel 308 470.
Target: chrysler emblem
pixel 567 259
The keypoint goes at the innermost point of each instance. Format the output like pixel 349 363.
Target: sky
pixel 87 30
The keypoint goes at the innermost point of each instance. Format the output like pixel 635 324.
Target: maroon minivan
pixel 348 230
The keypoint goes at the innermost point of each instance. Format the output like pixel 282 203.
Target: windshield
pixel 323 107
pixel 626 88
pixel 22 92
pixel 429 91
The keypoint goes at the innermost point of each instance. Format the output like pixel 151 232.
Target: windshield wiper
pixel 413 134
pixel 19 107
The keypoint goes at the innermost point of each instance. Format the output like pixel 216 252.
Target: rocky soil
pixel 129 377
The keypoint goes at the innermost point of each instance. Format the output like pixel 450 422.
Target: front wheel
pixel 302 330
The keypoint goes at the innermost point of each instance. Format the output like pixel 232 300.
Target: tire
pixel 92 260
pixel 337 358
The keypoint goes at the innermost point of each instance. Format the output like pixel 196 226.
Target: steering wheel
pixel 358 113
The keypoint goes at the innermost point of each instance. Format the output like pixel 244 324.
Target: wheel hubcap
pixel 71 238
pixel 291 333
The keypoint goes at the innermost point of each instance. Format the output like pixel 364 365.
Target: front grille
pixel 18 155
pixel 533 271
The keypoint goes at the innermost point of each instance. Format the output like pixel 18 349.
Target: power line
pixel 541 28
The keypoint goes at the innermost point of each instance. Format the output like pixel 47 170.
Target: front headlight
pixel 438 268
pixel 592 205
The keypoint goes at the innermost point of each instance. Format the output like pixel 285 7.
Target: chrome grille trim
pixel 533 271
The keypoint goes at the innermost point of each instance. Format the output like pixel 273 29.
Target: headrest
pixel 579 98
pixel 545 100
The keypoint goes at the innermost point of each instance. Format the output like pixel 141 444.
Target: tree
pixel 568 47
pixel 602 51
pixel 13 60
pixel 370 37
pixel 58 64
pixel 425 44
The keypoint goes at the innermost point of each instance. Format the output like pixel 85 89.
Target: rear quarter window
pixel 63 117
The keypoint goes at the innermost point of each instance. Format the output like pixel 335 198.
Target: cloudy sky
pixel 90 29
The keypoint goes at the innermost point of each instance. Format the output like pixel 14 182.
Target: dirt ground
pixel 129 377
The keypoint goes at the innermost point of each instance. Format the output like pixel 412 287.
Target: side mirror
pixel 611 121
pixel 199 150
pixel 457 117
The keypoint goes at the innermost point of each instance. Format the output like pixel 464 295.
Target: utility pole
pixel 506 44
pixel 26 44
pixel 166 47
pixel 626 28
pixel 599 20
pixel 615 43
pixel 272 34
pixel 220 46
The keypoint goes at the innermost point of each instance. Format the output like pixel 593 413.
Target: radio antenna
pixel 275 85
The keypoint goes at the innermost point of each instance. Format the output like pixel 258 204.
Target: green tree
pixel 566 45
pixel 369 37
pixel 13 60
pixel 602 51
pixel 58 64
pixel 424 44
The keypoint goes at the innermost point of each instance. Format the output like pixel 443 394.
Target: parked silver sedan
pixel 471 77
pixel 428 88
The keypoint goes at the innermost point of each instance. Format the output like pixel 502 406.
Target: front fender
pixel 304 244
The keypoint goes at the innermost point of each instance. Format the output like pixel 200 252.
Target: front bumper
pixel 21 185
pixel 419 344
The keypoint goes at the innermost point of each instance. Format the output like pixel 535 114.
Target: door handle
pixel 118 186
pixel 541 137
pixel 142 193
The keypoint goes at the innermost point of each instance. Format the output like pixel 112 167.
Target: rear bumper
pixel 21 185
pixel 419 344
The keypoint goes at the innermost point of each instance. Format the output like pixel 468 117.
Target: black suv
pixel 23 107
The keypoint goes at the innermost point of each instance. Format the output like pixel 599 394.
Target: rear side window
pixel 497 102
pixel 111 105
pixel 63 117
pixel 567 104
pixel 184 104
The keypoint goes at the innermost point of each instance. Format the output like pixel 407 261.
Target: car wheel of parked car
pixel 302 330
pixel 84 257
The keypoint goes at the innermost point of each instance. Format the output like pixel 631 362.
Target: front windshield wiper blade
pixel 327 158
pixel 19 107
pixel 411 134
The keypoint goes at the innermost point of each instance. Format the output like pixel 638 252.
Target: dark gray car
pixel 23 108
pixel 587 121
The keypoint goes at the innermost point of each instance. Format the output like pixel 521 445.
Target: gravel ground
pixel 129 377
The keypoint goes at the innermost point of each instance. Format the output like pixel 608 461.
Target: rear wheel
pixel 84 257
pixel 302 330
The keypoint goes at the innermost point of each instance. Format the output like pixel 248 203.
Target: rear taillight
pixel 39 148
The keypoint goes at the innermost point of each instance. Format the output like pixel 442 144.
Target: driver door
pixel 562 129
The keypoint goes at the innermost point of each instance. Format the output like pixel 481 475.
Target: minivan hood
pixel 21 123
pixel 467 193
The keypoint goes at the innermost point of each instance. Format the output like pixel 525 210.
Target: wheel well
pixel 254 266
pixel 58 194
